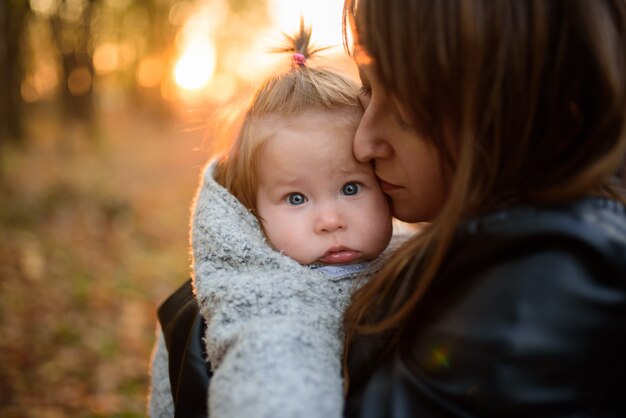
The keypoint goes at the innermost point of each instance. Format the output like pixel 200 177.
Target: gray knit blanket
pixel 273 336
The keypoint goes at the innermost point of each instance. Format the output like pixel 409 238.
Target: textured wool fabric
pixel 160 402
pixel 273 333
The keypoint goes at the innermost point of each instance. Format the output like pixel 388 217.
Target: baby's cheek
pixel 282 239
pixel 298 248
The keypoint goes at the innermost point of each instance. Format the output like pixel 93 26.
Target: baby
pixel 282 223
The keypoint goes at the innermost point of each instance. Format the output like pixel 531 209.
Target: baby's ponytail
pixel 299 46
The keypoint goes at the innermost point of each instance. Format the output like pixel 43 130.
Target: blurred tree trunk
pixel 12 23
pixel 76 106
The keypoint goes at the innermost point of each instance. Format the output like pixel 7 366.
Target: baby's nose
pixel 329 219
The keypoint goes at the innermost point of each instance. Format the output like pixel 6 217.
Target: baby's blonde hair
pixel 283 96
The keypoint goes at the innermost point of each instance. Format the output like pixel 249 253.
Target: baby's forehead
pixel 307 129
pixel 292 177
pixel 320 153
pixel 338 116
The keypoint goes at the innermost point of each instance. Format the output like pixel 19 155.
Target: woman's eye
pixel 296 199
pixel 404 125
pixel 365 95
pixel 400 117
pixel 350 189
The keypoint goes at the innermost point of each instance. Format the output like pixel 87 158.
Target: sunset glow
pixel 197 58
pixel 323 15
pixel 195 67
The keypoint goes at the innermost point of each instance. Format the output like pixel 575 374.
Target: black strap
pixel 183 329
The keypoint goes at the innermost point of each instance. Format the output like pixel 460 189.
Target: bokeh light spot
pixel 43 7
pixel 29 91
pixel 72 10
pixel 150 72
pixel 441 358
pixel 79 81
pixel 179 12
pixel 106 58
pixel 195 67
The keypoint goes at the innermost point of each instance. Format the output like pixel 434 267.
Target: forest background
pixel 108 110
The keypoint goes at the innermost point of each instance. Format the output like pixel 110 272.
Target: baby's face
pixel 317 203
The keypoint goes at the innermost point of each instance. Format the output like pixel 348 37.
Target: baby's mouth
pixel 340 255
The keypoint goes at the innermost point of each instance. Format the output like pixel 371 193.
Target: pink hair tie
pixel 299 59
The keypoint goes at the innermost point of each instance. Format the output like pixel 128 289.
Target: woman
pixel 501 122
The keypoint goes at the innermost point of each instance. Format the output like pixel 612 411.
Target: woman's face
pixel 407 165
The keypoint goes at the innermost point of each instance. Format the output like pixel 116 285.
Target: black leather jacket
pixel 183 328
pixel 526 319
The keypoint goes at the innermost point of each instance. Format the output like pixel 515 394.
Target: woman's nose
pixel 369 140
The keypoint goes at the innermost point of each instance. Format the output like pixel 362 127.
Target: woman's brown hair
pixel 528 95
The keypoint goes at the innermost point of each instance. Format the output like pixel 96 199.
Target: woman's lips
pixel 340 255
pixel 387 187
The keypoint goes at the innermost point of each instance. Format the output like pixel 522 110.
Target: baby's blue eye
pixel 296 199
pixel 350 189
